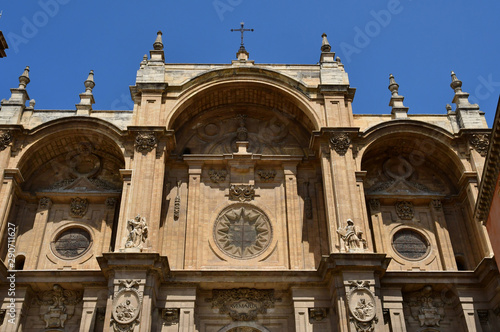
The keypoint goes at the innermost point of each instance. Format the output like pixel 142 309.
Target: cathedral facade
pixel 243 197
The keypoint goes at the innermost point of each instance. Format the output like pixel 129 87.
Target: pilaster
pixel 194 173
pixel 294 218
pixel 89 310
pixel 39 225
pixel 442 236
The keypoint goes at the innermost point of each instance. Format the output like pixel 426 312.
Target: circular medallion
pixel 242 231
pixel 362 304
pixel 127 304
pixel 410 244
pixel 72 243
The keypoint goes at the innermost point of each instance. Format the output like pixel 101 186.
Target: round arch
pixel 233 327
pixel 223 89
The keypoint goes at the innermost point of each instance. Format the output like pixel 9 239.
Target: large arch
pixel 257 89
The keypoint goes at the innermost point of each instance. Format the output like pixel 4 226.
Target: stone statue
pixel 138 232
pixel 351 235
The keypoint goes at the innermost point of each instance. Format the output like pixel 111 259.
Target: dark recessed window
pixel 410 244
pixel 72 243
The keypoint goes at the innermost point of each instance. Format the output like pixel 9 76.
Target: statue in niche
pixel 138 232
pixel 352 236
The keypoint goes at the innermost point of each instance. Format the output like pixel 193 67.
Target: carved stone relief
pixel 436 204
pixel 242 192
pixel 242 231
pixel 352 237
pixel 242 132
pixel 110 202
pixel 374 204
pixel 399 177
pixel 243 304
pixel 170 316
pixel 44 203
pixel 5 139
pixel 145 142
pixel 405 210
pixel 177 202
pixel 78 207
pixel 362 306
pixel 340 143
pixel 127 302
pixel 138 233
pixel 266 175
pixel 426 307
pixel 57 305
pixel 317 314
pixel 480 142
pixel 217 176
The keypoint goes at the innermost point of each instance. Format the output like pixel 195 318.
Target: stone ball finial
pixel 448 108
pixel 89 83
pixel 393 86
pixel 456 84
pixel 24 79
pixel 32 103
pixel 325 45
pixel 158 44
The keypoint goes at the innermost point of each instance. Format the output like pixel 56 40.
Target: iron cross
pixel 242 30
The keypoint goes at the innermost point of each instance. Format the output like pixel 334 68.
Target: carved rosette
pixel 340 143
pixel 243 304
pixel 362 306
pixel 480 142
pixel 57 305
pixel 127 304
pixel 145 142
pixel 266 175
pixel 242 193
pixel 217 176
pixel 405 210
pixel 5 139
pixel 44 203
pixel 78 207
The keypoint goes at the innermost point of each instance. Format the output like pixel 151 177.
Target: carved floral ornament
pixel 362 306
pixel 57 305
pixel 481 143
pixel 405 210
pixel 217 175
pixel 78 207
pixel 242 193
pixel 340 142
pixel 243 304
pixel 145 142
pixel 5 139
pixel 266 175
pixel 127 304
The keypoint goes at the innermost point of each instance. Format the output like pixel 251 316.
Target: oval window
pixel 410 244
pixel 72 243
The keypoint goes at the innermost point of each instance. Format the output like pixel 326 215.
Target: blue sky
pixel 419 41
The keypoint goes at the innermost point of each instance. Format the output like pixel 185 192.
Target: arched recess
pixel 418 198
pixel 72 186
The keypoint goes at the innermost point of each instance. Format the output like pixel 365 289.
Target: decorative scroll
pixel 352 237
pixel 5 139
pixel 340 143
pixel 127 304
pixel 405 210
pixel 481 143
pixel 362 306
pixel 57 305
pixel 138 232
pixel 78 207
pixel 145 142
pixel 217 176
pixel 243 304
pixel 266 175
pixel 241 192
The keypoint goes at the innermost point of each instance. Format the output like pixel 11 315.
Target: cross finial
pixel 242 30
